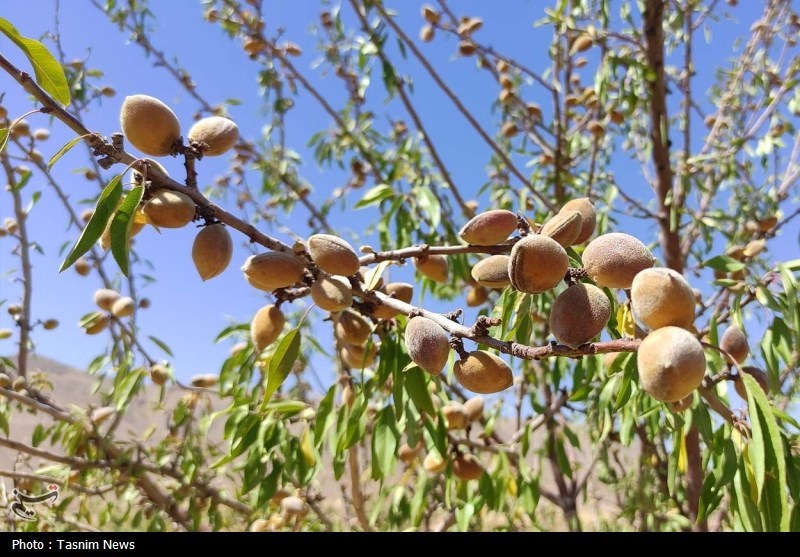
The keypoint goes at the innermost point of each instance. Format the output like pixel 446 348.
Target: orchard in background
pixel 543 347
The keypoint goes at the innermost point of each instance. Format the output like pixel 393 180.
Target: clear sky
pixel 185 312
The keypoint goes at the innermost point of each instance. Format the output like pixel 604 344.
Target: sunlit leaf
pixel 63 151
pixel 767 453
pixel 281 363
pixel 106 206
pixel 121 228
pixel 48 72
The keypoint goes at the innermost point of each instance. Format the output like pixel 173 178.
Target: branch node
pixel 523 225
pixel 458 345
pixel 482 325
pixel 453 315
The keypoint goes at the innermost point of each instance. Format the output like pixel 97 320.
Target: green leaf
pixel 161 345
pixel 286 407
pixel 746 510
pixel 417 389
pixel 375 195
pixel 384 444
pixel 463 516
pixel 281 363
pixel 39 433
pixel 121 228
pixel 106 206
pixel 767 456
pixel 269 485
pixel 373 276
pixel 3 138
pixel 63 151
pixel 49 73
pixel 429 204
pixel 724 263
pixel 323 412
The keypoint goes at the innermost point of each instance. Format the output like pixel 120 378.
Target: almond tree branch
pixel 669 212
pixel 659 130
pixel 53 480
pixel 462 109
pixel 159 179
pixel 141 38
pixel 23 319
pixel 73 462
pixel 276 53
pixel 401 91
pixel 416 251
pixel 355 488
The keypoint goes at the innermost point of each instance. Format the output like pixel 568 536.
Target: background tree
pixel 579 436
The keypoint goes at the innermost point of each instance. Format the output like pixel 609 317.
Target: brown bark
pixel 668 234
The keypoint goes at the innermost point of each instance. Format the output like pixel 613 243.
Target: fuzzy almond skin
pixel 492 271
pixel 734 343
pixel 273 269
pixel 489 228
pixel 435 267
pixel 564 228
pixel 682 405
pixel 151 164
pixel 588 217
pixel 474 408
pixel 467 467
pixel 215 134
pixel 169 209
pixel 333 255
pixel 433 463
pixel 83 267
pixel 293 506
pixel 352 327
pixel 755 373
pixel 661 297
pixel 476 296
pixel 614 259
pixel 123 307
pixel 97 325
pixel 455 415
pixel 212 250
pixel 579 314
pixel 399 290
pixel 407 453
pixel 537 264
pixel 205 380
pixel 159 374
pixel 105 298
pixel 100 415
pixel 149 125
pixel 671 364
pixel 483 373
pixel 359 357
pixel 427 344
pixel 332 293
pixel 266 326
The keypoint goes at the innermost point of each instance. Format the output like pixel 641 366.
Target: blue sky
pixel 185 312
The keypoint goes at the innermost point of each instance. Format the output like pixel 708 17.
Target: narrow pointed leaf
pixel 770 465
pixel 281 363
pixel 121 228
pixel 48 72
pixel 63 151
pixel 106 206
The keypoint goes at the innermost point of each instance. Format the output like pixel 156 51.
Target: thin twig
pixel 462 109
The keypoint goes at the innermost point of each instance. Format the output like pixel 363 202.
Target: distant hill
pixel 73 387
